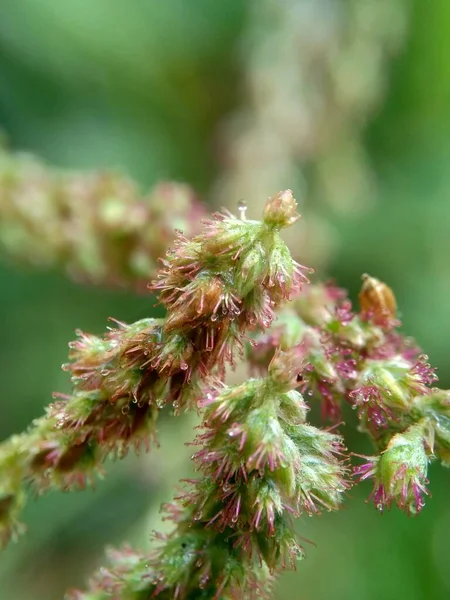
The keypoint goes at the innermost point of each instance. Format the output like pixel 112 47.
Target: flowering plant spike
pixel 235 289
pixel 97 227
pixel 121 381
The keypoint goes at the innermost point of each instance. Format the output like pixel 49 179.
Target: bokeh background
pixel 345 101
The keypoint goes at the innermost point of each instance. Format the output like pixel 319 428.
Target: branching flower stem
pixel 260 463
pixel 361 359
pixel 215 287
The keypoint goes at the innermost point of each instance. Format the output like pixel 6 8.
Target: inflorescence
pixel 234 289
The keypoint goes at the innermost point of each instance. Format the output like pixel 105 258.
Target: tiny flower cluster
pixel 400 472
pixel 121 381
pixel 226 281
pixel 207 573
pixel 361 358
pixel 264 460
pixel 113 406
pixel 260 464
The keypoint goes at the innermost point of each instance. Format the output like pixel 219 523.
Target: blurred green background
pixel 150 87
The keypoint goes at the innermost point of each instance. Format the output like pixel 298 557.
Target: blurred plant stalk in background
pixel 315 71
pixel 96 226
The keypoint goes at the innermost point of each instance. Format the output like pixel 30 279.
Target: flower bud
pixel 436 408
pixel 317 304
pixel 285 368
pixel 251 268
pixel 321 362
pixel 376 299
pixel 393 380
pixel 400 472
pixel 199 301
pixel 321 475
pixel 280 210
pixel 267 503
pixel 283 275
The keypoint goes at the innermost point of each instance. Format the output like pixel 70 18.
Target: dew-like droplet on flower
pixel 242 208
